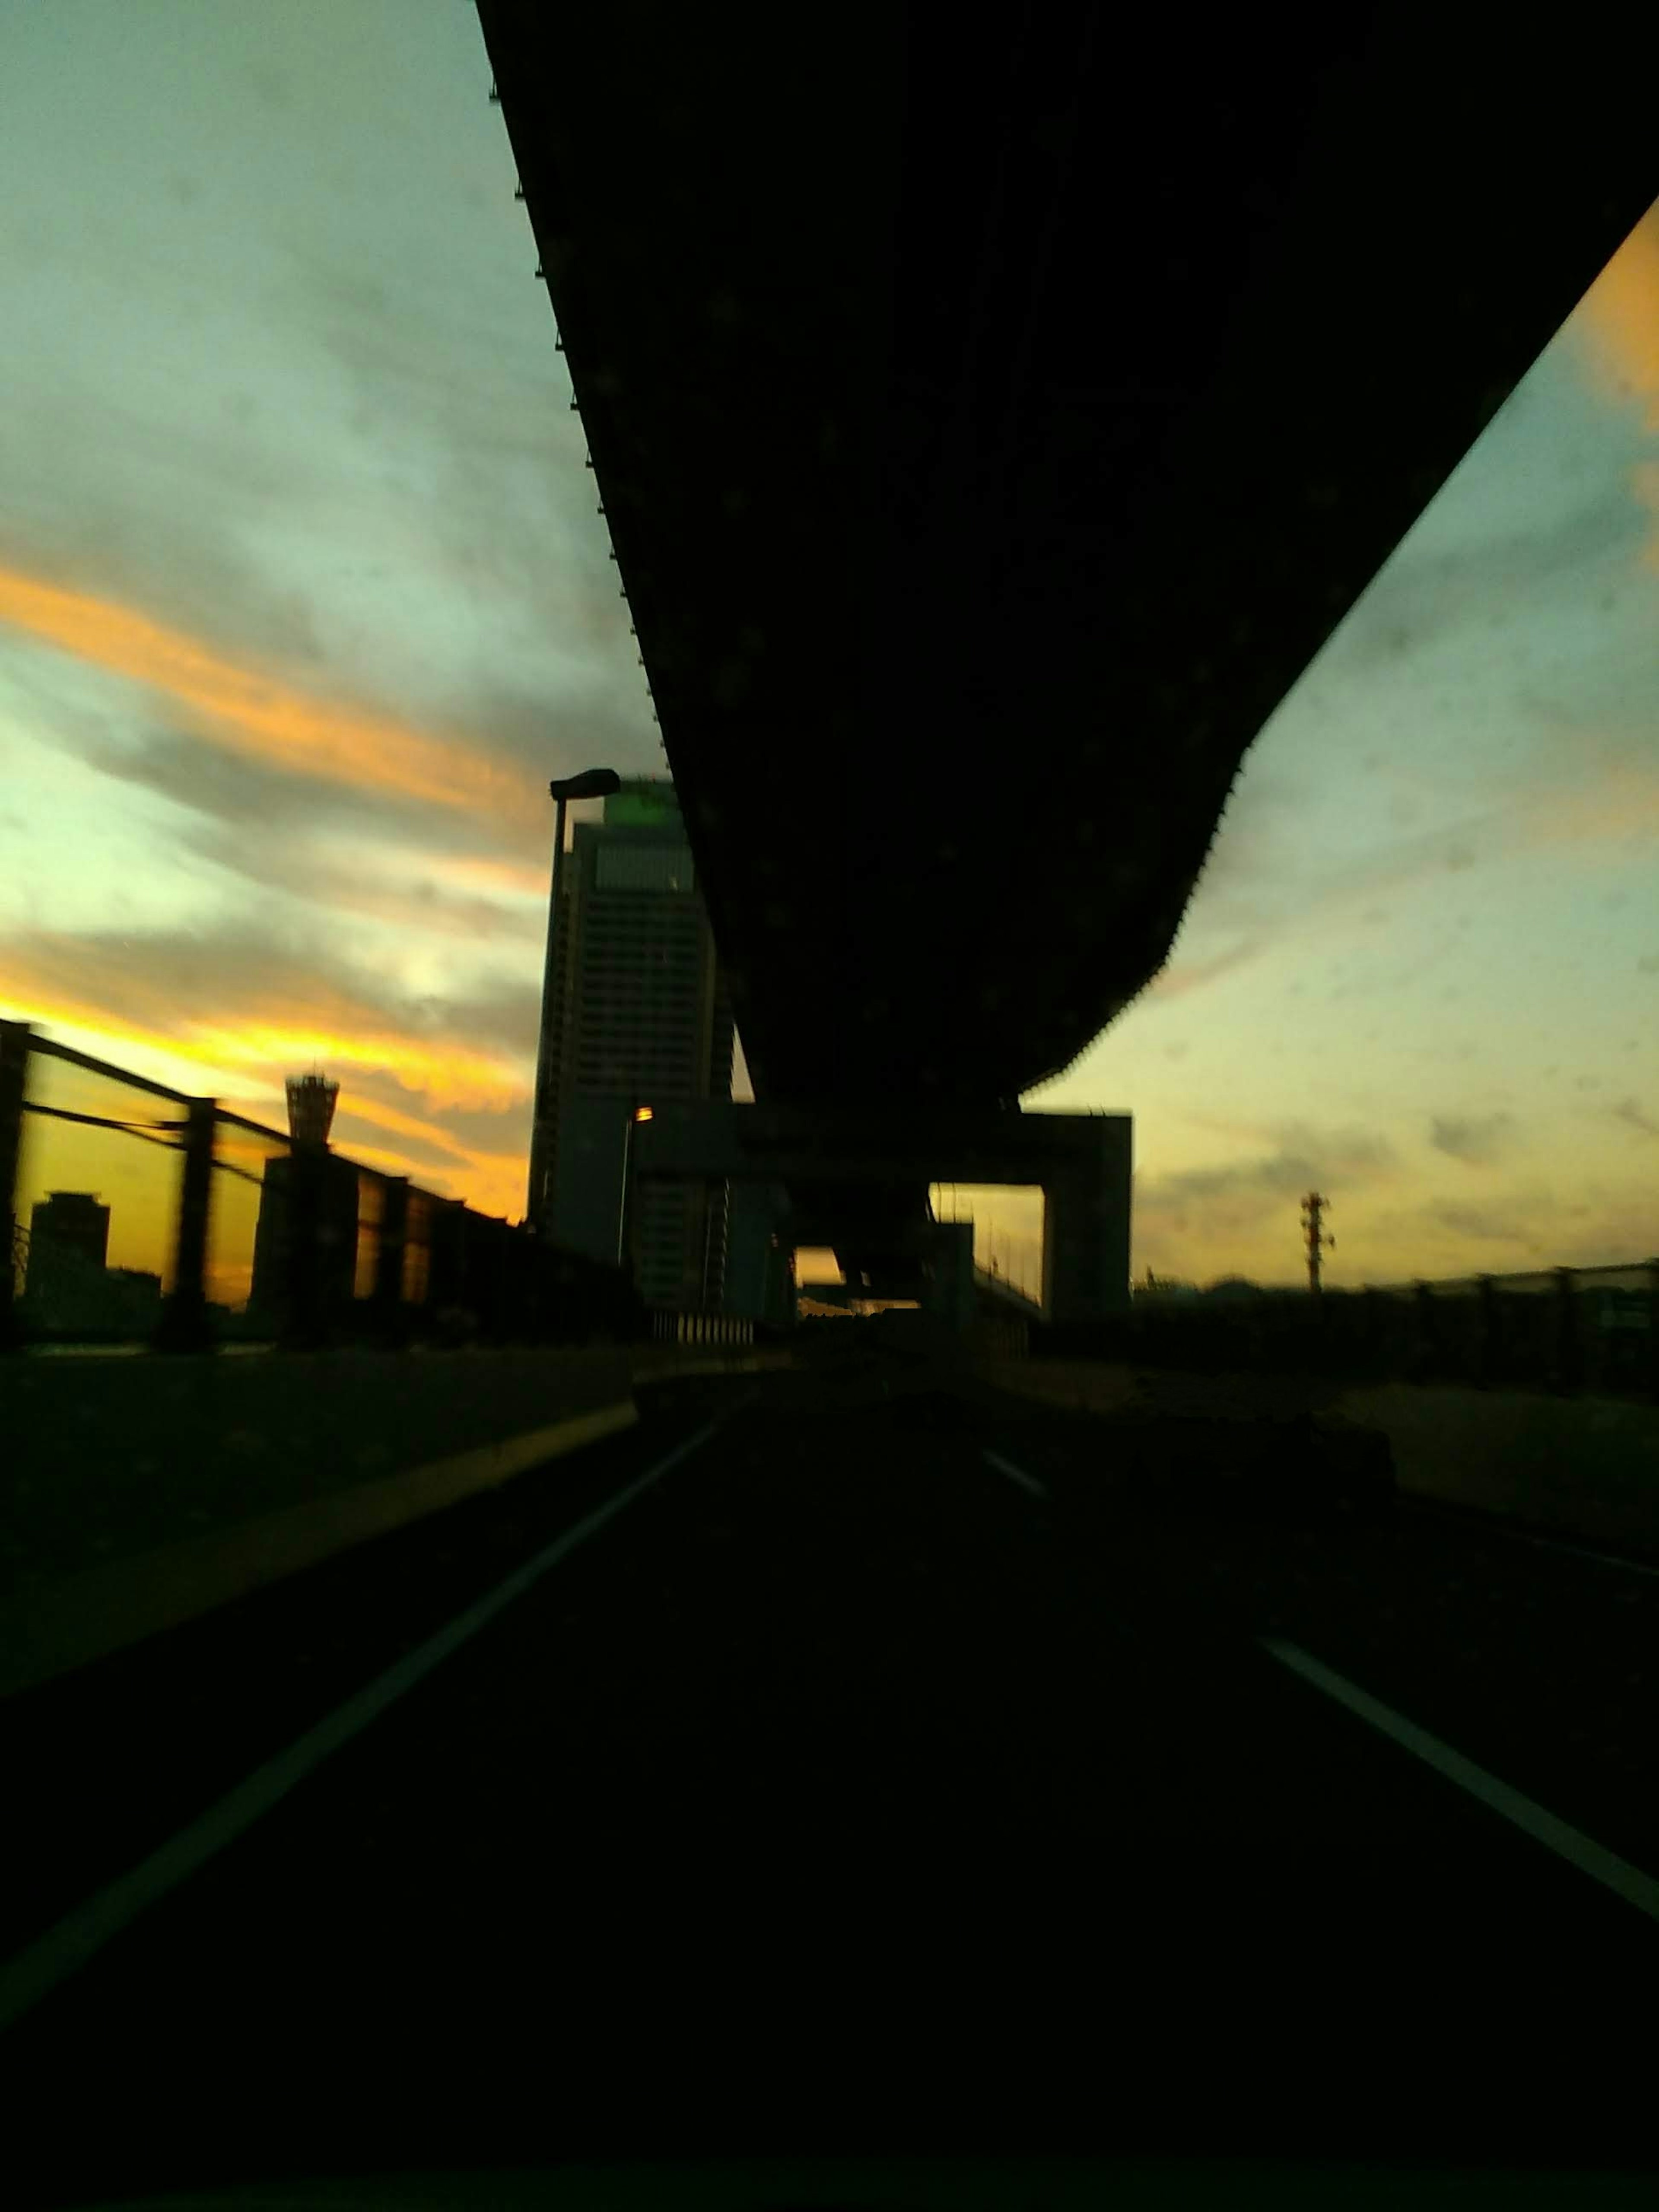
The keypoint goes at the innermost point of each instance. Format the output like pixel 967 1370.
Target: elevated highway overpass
pixel 991 430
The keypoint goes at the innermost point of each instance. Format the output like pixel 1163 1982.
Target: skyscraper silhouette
pixel 638 1015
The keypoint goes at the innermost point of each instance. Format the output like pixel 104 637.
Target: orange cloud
pixel 125 1041
pixel 445 1073
pixel 475 873
pixel 1618 800
pixel 251 715
pixel 203 1014
pixel 1619 318
pixel 380 1115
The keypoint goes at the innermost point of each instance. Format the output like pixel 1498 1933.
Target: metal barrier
pixel 673 1325
pixel 1565 1330
pixel 138 1215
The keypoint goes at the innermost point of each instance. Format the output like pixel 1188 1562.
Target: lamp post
pixel 592 783
pixel 636 1113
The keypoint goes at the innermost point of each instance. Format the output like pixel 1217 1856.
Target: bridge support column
pixel 756 1265
pixel 1085 1234
pixel 949 1294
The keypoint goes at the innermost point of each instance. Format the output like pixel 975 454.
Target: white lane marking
pixel 1580 1552
pixel 1475 1524
pixel 1014 1474
pixel 1592 1858
pixel 34 1973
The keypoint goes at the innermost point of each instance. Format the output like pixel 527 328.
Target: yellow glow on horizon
pixel 93 1029
pixel 448 1075
pixel 489 1181
pixel 396 1123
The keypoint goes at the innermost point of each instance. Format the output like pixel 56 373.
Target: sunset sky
pixel 303 597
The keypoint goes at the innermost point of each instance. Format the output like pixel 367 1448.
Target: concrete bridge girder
pixel 1081 1161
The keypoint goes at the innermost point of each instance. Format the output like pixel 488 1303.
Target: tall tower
pixel 310 1103
pixel 279 1245
pixel 640 1016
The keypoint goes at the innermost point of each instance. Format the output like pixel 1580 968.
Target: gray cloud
pixel 1244 1192
pixel 1475 1139
pixel 1485 1226
pixel 506 1015
pixel 261 964
pixel 336 450
pixel 1433 586
pixel 1595 1227
pixel 292 866
pixel 1629 1110
pixel 1269 896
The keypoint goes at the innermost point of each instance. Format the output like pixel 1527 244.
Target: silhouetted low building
pixel 69 1221
pixel 68 1291
pixel 295 1267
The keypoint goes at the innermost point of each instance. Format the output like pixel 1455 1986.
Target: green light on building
pixel 645 803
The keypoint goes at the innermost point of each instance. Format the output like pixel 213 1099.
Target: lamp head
pixel 592 783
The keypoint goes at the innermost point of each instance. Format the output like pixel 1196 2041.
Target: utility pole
pixel 1312 1205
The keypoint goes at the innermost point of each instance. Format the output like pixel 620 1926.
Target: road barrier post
pixel 14 1038
pixel 1569 1361
pixel 1486 1344
pixel 184 1324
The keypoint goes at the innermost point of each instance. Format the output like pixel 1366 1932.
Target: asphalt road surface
pixel 900 1769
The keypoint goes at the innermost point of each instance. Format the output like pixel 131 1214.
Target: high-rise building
pixel 70 1221
pixel 638 1016
pixel 69 1289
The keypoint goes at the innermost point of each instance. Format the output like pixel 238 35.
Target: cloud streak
pixel 1630 1111
pixel 1477 1140
pixel 246 1005
pixel 1237 1194
pixel 1618 321
pixel 253 715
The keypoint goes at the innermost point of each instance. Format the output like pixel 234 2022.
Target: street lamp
pixel 634 1114
pixel 592 783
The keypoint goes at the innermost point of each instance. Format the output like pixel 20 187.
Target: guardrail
pixel 140 1216
pixel 669 1326
pixel 1593 1330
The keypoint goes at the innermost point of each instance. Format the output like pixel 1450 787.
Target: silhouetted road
pixel 848 1792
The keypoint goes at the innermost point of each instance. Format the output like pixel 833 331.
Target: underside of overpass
pixel 991 430
pixel 764 1154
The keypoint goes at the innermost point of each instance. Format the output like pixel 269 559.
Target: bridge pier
pixel 949 1289
pixel 1081 1161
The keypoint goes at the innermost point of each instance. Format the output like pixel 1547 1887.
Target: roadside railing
pixel 140 1216
pixel 1593 1330
pixel 669 1326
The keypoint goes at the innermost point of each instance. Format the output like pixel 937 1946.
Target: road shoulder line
pixel 103 1610
pixel 1016 1475
pixel 34 1973
pixel 1568 1843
